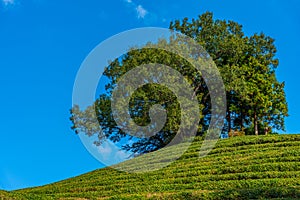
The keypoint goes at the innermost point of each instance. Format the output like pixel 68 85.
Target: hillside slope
pixel 247 167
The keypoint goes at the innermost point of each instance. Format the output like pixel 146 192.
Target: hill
pixel 248 167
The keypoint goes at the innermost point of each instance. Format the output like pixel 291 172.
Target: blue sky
pixel 42 45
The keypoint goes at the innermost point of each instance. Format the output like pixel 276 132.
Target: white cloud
pixel 109 154
pixel 105 149
pixel 8 2
pixel 120 156
pixel 141 12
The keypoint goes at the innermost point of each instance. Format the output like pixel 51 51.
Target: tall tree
pixel 247 65
pixel 141 101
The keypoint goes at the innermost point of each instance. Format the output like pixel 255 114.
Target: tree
pixel 141 101
pixel 247 65
pixel 255 99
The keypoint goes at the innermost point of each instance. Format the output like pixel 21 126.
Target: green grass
pixel 3 194
pixel 249 167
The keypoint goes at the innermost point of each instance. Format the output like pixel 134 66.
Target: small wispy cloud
pixel 109 153
pixel 141 12
pixel 105 149
pixel 8 2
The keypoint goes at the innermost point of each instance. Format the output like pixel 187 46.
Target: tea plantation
pixel 247 167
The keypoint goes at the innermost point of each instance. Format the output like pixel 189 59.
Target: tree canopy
pixel 256 102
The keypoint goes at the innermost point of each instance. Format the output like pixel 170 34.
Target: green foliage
pixel 256 101
pixel 246 167
pixel 233 133
pixel 247 64
pixel 141 101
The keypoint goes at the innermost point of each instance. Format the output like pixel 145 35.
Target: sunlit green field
pixel 248 167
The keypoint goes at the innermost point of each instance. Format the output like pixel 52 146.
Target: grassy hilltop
pixel 249 167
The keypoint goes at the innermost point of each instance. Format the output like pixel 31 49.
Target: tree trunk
pixel 266 130
pixel 229 121
pixel 255 123
pixel 229 113
pixel 241 120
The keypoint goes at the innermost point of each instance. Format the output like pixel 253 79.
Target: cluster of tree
pixel 256 102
